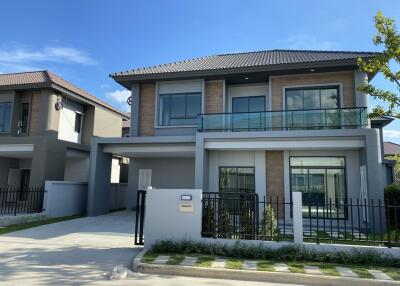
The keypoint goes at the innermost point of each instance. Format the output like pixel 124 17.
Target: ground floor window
pixel 237 179
pixel 323 184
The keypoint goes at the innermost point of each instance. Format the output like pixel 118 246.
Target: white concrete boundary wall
pixel 65 198
pixel 170 217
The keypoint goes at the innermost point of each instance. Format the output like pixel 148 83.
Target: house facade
pixel 46 127
pixel 270 122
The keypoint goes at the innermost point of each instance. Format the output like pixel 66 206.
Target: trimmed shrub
pixel 291 253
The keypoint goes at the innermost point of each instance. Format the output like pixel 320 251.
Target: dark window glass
pixel 78 122
pixel 312 98
pixel 237 179
pixel 322 182
pixel 5 117
pixel 248 104
pixel 179 109
pixel 23 125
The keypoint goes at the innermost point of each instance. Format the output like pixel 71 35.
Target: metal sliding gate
pixel 140 213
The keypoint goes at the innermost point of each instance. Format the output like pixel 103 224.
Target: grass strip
pixel 393 273
pixel 265 266
pixel 175 259
pixel 149 257
pixel 234 263
pixel 296 267
pixel 361 271
pixel 204 261
pixel 22 226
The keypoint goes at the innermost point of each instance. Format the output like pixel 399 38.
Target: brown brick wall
pixel 275 178
pixel 214 96
pixel 35 114
pixel 146 109
pixel 345 78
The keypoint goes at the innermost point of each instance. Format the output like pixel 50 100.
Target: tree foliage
pixel 388 36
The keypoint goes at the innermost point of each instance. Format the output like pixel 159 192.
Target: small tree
pixel 225 227
pixel 388 36
pixel 269 225
pixel 395 158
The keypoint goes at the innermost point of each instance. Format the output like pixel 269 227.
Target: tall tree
pixel 388 36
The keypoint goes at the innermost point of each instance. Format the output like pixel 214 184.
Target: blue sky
pixel 84 41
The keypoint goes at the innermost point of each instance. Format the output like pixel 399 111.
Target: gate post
pixel 297 217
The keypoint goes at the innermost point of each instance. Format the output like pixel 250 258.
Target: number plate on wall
pixel 186 208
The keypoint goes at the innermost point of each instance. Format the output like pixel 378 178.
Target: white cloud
pixel 307 42
pixel 28 59
pixel 391 134
pixel 119 97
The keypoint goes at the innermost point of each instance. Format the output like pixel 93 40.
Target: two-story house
pixel 267 122
pixel 46 127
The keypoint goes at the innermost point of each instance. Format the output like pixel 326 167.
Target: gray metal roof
pixel 248 59
pixel 391 148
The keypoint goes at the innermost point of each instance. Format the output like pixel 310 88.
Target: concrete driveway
pixel 72 252
pixel 79 252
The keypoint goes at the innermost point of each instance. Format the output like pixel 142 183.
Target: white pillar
pixel 297 217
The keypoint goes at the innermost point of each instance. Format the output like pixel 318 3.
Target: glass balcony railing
pixel 338 118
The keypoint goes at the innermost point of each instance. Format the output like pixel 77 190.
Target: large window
pixel 5 117
pixel 237 179
pixel 322 182
pixel 248 104
pixel 179 109
pixel 325 97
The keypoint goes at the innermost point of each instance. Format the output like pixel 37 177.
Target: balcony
pixel 338 118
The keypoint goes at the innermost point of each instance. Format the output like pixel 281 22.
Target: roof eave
pixel 126 80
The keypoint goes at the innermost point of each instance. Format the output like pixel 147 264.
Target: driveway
pixel 72 252
pixel 79 252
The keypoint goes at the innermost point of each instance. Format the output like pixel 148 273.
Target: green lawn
pixel 267 265
pixel 16 227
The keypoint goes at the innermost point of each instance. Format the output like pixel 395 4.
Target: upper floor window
pixel 24 117
pixel 248 104
pixel 5 117
pixel 324 97
pixel 179 109
pixel 78 122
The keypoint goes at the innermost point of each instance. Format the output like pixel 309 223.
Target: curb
pixel 136 261
pixel 258 276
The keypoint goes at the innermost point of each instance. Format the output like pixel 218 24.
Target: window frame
pixel 186 94
pixel 248 98
pixel 80 116
pixel 26 131
pixel 236 167
pixel 344 168
pixel 337 86
pixel 8 131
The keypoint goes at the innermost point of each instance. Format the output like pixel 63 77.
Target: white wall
pixel 66 127
pixel 165 220
pixel 246 90
pixel 77 169
pixel 64 198
pixel 254 159
pixel 115 170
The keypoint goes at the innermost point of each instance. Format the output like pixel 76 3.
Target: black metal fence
pixel 140 212
pixel 244 216
pixel 15 201
pixel 369 222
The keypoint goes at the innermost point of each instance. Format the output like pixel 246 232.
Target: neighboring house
pixel 392 156
pixel 39 142
pixel 268 122
pixel 126 126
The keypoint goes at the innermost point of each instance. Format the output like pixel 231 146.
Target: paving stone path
pixel 161 259
pixel 249 265
pixel 312 270
pixel 189 261
pixel 281 267
pixel 379 275
pixel 218 263
pixel 346 272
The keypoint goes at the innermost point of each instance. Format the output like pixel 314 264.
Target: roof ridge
pixel 37 71
pixel 392 143
pixel 298 50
